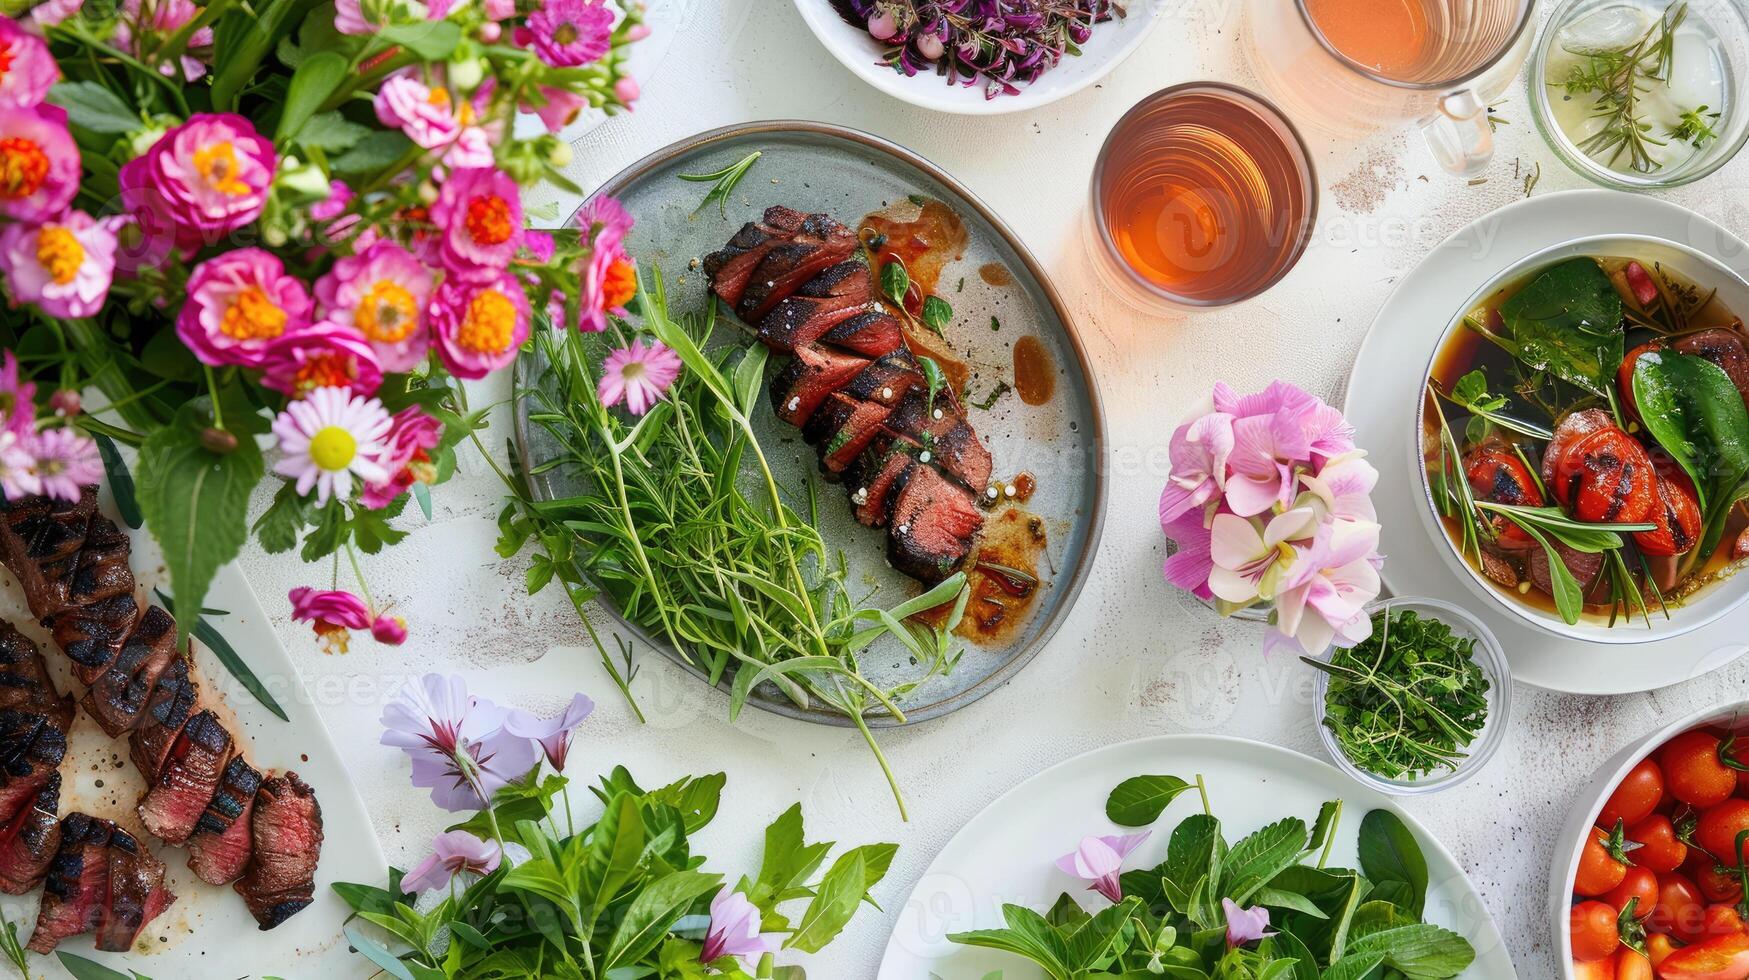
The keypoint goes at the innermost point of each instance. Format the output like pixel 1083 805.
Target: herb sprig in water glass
pixel 1621 77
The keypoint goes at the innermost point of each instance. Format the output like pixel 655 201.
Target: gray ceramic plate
pixel 815 167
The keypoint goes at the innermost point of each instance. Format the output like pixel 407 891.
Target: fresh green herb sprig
pixel 1620 77
pixel 723 182
pixel 1407 701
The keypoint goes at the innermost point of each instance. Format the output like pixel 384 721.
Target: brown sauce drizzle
pixel 996 274
pixel 1035 378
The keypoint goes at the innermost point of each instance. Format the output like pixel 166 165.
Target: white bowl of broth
pixel 1695 293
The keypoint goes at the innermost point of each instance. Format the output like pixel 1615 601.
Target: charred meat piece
pixel 103 571
pixel 887 379
pixel 117 698
pixel 1724 348
pixel 40 540
pixel 28 841
pixel 731 266
pixel 806 381
pixel 287 838
pixel 800 320
pixel 842 428
pixel 92 636
pixel 173 699
pixel 1573 428
pixel 849 278
pixel 932 524
pixel 136 893
pixel 31 749
pixel 24 680
pixel 188 779
pixel 940 428
pixel 1587 568
pixel 221 844
pixel 1501 569
pixel 77 885
pixel 874 475
pixel 871 333
pixel 1606 477
pixel 817 246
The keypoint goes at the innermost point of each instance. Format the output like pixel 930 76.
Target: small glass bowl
pixel 1727 19
pixel 1487 654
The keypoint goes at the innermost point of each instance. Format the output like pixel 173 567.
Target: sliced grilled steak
pixel 92 636
pixel 731 266
pixel 800 320
pixel 28 841
pixel 136 893
pixel 948 437
pixel 40 540
pixel 287 831
pixel 842 428
pixel 24 680
pixel 888 379
pixel 820 244
pixel 1587 568
pixel 221 844
pixel 813 374
pixel 932 524
pixel 874 475
pixel 77 884
pixel 117 698
pixel 1724 348
pixel 31 749
pixel 173 699
pixel 186 782
pixel 871 333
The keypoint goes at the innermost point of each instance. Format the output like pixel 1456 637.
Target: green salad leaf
pixel 1568 321
pixel 1693 409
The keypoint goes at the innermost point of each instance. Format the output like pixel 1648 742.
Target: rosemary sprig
pixel 725 181
pixel 1621 77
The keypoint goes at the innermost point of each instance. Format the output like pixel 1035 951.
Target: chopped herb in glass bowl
pixel 1418 706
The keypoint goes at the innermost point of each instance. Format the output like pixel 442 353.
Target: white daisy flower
pixel 330 436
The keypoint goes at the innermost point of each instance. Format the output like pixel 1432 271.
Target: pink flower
pixel 39 164
pixel 456 742
pixel 329 437
pixel 52 12
pixel 734 930
pixel 559 107
pixel 568 33
pixel 427 115
pixel 325 355
pixel 330 209
pixel 606 281
pixel 471 150
pixel 27 69
pixel 66 462
pixel 238 304
pixel 1245 925
pixel 553 734
pixel 17 400
pixel 1342 488
pixel 162 19
pixel 626 91
pixel 208 176
pixel 1322 597
pixel 639 375
pixel 452 853
pixel 479 325
pixel 63 266
pixel 388 629
pixel 332 613
pixel 1099 860
pixel 411 434
pixel 1191 563
pixel 381 292
pixel 18 476
pixel 1249 555
pixel 1199 452
pixel 349 18
pixel 500 9
pixel 478 215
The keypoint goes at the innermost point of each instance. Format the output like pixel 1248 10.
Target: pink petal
pixel 1234 542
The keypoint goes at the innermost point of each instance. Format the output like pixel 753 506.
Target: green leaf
pixel 1353 967
pixel 1568 321
pixel 1416 948
pixel 612 857
pixel 651 914
pixel 372 950
pixel 724 180
pixel 1277 898
pixel 843 888
pixel 1139 800
pixel 246 37
pixel 431 40
pixel 331 132
pixel 84 969
pixel 1026 934
pixel 196 503
pixel 94 107
pixel 377 151
pixel 315 80
pixel 121 482
pixel 1194 852
pixel 227 655
pixel 937 314
pixel 1067 913
pixel 1091 942
pixel 1569 597
pixel 279 525
pixel 1257 859
pixel 788 861
pixel 895 282
pixel 1693 409
pixel 1388 852
pixel 697 798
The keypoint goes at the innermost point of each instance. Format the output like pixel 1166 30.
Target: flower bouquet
pixel 273 235
pixel 1269 505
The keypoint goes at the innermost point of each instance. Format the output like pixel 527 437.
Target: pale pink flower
pixel 328 438
pixel 734 930
pixel 1245 925
pixel 452 853
pixel 626 91
pixel 66 462
pixel 569 33
pixel 1190 563
pixel 17 399
pixel 558 108
pixel 1199 452
pixel 17 466
pixel 1248 554
pixel 51 12
pixel 238 304
pixel 457 743
pixel 1100 861
pixel 63 266
pixel 350 18
pixel 383 293
pixel 427 115
pixel 27 69
pixel 1322 597
pixel 160 19
pixel 639 375
pixel 553 734
pixel 1342 488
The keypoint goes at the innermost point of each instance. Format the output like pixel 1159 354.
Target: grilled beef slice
pixel 874 474
pixel 173 699
pixel 31 749
pixel 220 846
pixel 887 379
pixel 841 428
pixel 24 680
pixel 871 333
pixel 77 884
pixel 932 524
pixel 817 246
pixel 29 841
pixel 40 540
pixel 136 893
pixel 942 430
pixel 187 780
pixel 92 636
pixel 731 266
pixel 800 320
pixel 287 836
pixel 806 381
pixel 117 698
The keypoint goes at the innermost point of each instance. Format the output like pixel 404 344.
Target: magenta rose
pixel 411 436
pixel 238 304
pixel 325 355
pixel 479 325
pixel 27 69
pixel 39 164
pixel 206 177
pixel 478 215
pixel 382 293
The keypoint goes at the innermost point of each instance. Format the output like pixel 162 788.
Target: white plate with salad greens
pixel 1289 848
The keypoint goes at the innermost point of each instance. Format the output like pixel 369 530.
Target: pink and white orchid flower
pixel 1250 556
pixel 1245 925
pixel 1334 579
pixel 734 930
pixel 1199 453
pixel 1100 860
pixel 1342 489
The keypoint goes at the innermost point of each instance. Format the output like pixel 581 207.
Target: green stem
pixel 1202 790
pixel 358 573
pixel 212 387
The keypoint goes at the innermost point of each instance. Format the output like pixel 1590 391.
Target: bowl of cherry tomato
pixel 1650 872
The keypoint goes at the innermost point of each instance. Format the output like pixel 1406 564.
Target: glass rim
pixel 1526 10
pixel 1309 178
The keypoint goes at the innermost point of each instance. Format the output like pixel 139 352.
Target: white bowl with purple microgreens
pixel 979 57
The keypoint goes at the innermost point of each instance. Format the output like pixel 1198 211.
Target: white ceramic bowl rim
pixel 1682 619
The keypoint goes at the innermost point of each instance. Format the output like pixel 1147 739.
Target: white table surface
pixel 1132 658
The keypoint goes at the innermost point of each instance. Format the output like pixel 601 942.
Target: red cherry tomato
pixel 1694 772
pixel 1603 969
pixel 1659 946
pixel 1624 377
pixel 1717 831
pixel 1719 958
pixel 1679 912
pixel 1635 797
pixel 1659 849
pixel 1723 920
pixel 1500 476
pixel 1592 929
pixel 1600 866
pixel 1716 884
pixel 1638 883
pixel 1606 478
pixel 1630 965
pixel 1678 517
